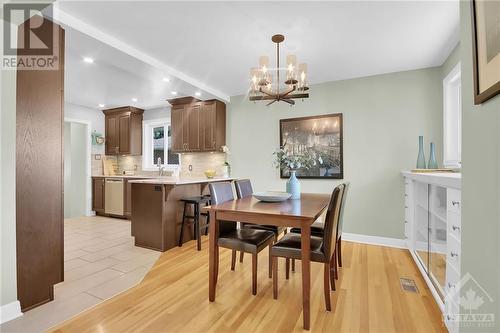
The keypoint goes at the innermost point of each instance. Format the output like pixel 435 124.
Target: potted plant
pixel 226 166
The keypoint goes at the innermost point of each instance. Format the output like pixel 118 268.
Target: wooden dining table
pixel 298 213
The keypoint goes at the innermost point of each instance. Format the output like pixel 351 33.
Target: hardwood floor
pixel 173 297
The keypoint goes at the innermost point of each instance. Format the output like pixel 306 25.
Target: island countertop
pixel 179 181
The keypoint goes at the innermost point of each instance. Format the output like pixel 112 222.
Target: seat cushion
pixel 317 229
pixel 277 230
pixel 290 247
pixel 246 239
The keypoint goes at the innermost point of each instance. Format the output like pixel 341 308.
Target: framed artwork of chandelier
pixel 266 81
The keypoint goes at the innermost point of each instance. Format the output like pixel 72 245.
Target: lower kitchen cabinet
pixel 98 194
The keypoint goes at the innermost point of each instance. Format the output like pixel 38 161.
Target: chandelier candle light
pixel 263 87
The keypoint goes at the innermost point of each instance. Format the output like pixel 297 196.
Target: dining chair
pixel 322 248
pixel 244 189
pixel 246 239
pixel 317 229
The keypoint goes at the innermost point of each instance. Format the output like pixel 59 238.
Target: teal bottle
pixel 421 156
pixel 432 158
pixel 293 186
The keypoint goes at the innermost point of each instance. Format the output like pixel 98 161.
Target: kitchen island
pixel 157 209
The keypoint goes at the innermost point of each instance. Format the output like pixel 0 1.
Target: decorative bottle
pixel 421 156
pixel 432 158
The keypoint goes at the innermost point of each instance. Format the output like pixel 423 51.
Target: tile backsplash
pixel 199 162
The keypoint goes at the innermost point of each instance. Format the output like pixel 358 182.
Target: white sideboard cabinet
pixel 433 235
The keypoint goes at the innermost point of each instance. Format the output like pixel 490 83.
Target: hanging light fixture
pixel 262 86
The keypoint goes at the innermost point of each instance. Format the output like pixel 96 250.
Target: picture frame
pixel 485 49
pixel 321 135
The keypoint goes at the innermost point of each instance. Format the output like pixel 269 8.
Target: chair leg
pixel 275 277
pixel 270 262
pixel 182 225
pixel 197 226
pixel 326 285
pixel 287 268
pixel 335 266
pixel 233 259
pixel 254 274
pixel 241 256
pixel 207 222
pixel 293 265
pixel 339 251
pixel 332 274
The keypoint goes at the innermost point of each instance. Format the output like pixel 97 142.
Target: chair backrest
pixel 342 205
pixel 243 188
pixel 332 220
pixel 221 192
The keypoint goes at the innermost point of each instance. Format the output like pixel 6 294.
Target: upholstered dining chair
pixel 317 229
pixel 244 189
pixel 245 240
pixel 322 248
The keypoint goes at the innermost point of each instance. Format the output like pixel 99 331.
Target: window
pixel 452 103
pixel 157 145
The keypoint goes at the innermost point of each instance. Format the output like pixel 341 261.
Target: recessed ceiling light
pixel 88 60
pixel 101 105
pixel 173 92
pixel 197 93
pixel 134 99
pixel 166 79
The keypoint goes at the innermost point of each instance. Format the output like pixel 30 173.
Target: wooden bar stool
pixel 195 218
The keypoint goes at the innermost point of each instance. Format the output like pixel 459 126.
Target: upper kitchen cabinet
pixel 198 126
pixel 123 131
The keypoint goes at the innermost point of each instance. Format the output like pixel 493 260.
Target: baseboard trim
pixel 375 240
pixel 10 311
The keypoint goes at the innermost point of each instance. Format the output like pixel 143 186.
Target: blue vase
pixel 293 186
pixel 432 158
pixel 421 156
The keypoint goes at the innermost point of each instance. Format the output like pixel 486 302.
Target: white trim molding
pixel 10 311
pixel 375 240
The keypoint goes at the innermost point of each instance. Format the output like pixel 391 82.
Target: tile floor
pixel 100 261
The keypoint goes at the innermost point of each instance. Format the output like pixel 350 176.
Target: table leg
pixel 213 250
pixel 306 274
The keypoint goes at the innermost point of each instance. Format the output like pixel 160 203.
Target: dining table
pixel 294 213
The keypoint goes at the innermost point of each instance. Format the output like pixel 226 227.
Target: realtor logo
pixel 30 41
pixel 465 304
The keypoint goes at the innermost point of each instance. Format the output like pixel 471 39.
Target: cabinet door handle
pixel 455 228
pixel 451 285
pixel 453 254
pixel 213 144
pixel 455 203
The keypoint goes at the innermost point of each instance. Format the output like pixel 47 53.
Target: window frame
pixel 450 84
pixel 147 144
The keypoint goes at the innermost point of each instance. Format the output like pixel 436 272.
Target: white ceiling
pixel 213 44
pixel 115 77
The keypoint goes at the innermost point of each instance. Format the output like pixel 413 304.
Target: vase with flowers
pixel 286 160
pixel 226 167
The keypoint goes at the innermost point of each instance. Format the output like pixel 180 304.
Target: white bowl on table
pixel 272 196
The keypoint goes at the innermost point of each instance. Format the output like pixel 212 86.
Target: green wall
pixel 480 182
pixel 383 117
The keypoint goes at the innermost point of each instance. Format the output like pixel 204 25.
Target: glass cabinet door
pixel 437 237
pixel 421 224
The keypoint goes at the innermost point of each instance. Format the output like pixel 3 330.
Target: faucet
pixel 160 167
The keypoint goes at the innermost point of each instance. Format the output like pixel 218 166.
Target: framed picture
pixel 318 135
pixel 486 49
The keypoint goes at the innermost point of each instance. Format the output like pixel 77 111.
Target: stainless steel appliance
pixel 113 203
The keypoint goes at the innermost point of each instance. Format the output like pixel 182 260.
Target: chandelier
pixel 266 84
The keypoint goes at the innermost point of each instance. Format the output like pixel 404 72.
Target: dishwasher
pixel 113 197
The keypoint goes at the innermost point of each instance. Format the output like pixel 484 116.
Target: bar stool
pixel 195 218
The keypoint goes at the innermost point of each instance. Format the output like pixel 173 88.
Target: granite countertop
pixel 178 181
pixel 123 176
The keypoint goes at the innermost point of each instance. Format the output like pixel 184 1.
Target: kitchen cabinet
pixel 123 131
pixel 98 194
pixel 198 126
pixel 433 236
